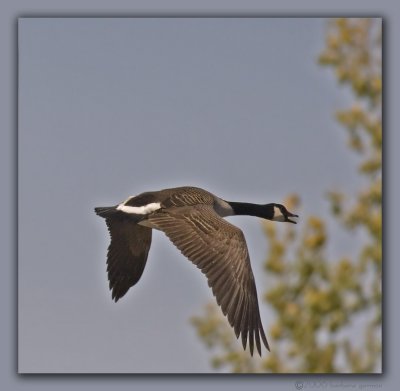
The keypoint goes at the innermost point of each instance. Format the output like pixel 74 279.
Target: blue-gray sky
pixel 113 107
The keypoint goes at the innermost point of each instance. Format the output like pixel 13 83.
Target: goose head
pixel 280 213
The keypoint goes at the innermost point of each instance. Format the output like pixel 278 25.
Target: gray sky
pixel 113 107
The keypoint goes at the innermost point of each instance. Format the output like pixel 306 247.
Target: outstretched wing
pixel 127 254
pixel 219 249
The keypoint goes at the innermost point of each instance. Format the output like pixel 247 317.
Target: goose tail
pixel 106 211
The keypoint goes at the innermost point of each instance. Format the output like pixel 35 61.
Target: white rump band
pixel 139 210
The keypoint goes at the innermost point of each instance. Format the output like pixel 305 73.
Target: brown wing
pixel 185 196
pixel 219 249
pixel 127 254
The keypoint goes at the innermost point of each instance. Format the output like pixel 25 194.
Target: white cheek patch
pixel 139 210
pixel 278 216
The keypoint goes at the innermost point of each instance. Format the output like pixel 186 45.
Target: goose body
pixel 192 218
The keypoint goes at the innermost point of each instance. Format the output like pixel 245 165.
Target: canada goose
pixel 192 219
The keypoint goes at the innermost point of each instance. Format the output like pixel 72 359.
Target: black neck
pixel 244 208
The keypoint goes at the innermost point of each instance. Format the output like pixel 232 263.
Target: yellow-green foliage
pixel 321 303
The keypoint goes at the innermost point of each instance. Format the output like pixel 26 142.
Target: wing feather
pixel 127 254
pixel 219 249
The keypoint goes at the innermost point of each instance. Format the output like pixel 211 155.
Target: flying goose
pixel 192 218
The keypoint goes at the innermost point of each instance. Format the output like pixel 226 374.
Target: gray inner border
pixel 9 379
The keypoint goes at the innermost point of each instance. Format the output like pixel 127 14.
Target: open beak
pixel 291 215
